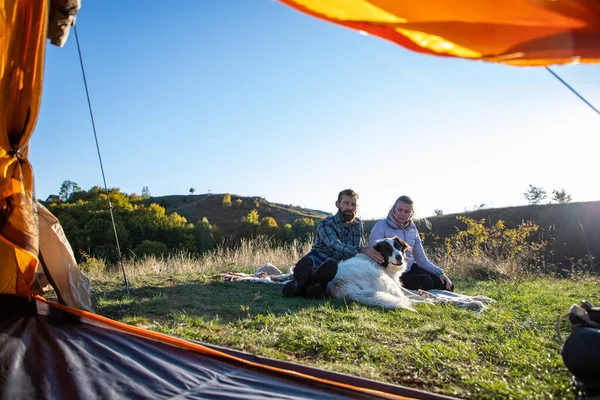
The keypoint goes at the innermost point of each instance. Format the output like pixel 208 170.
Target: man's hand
pixel 372 253
pixel 446 281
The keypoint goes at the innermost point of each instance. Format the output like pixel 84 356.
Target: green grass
pixel 508 351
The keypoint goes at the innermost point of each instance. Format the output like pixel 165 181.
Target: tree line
pixel 145 228
pixel 535 195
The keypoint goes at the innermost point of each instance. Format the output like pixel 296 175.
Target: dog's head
pixel 392 249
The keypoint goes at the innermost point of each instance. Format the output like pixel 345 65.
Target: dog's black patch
pixel 386 251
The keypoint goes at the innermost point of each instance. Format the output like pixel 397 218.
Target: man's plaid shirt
pixel 337 240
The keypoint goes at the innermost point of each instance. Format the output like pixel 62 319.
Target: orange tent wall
pixel 514 32
pixel 23 24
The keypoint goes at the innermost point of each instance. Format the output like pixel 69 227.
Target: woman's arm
pixel 421 258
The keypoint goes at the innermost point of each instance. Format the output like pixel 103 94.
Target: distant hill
pixel 195 207
pixel 574 226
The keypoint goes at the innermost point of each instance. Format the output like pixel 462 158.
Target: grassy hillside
pixel 573 229
pixel 195 207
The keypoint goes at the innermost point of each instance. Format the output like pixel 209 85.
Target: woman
pixel 420 272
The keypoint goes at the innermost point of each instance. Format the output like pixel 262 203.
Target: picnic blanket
pixel 270 274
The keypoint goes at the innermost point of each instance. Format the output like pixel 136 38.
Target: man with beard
pixel 337 238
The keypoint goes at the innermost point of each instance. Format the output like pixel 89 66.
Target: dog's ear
pixel 384 247
pixel 403 245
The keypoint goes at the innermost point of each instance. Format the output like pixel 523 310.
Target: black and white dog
pixel 363 280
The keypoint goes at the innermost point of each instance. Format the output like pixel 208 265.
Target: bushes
pixel 302 227
pixel 492 250
pixel 496 241
pixel 151 248
pixel 87 225
pixel 226 200
pixel 287 233
pixel 268 227
pixel 92 266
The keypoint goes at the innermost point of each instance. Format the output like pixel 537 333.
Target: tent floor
pixel 59 354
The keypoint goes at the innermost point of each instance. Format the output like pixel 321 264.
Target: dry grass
pixel 247 256
pixel 253 253
pixel 477 267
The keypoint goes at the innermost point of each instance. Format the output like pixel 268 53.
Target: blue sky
pixel 253 98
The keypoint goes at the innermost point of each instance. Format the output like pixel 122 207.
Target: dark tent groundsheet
pixel 49 351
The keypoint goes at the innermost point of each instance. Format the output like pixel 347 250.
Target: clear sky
pixel 253 98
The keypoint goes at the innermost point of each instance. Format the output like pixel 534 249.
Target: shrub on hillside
pixel 92 265
pixel 287 233
pixel 226 200
pixel 151 248
pixel 249 224
pixel 535 194
pixel 204 236
pixel 302 227
pixel 216 234
pixel 495 243
pixel 268 227
pixel 561 196
pixel 251 218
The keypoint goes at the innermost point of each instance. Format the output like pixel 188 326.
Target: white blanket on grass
pixel 268 273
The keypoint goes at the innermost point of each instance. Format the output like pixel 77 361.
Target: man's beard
pixel 348 216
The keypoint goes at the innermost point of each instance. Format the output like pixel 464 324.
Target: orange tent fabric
pixel 23 25
pixel 514 32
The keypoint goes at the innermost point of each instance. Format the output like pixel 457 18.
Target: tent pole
pixel 573 90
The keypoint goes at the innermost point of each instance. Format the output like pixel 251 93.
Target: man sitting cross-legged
pixel 337 238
